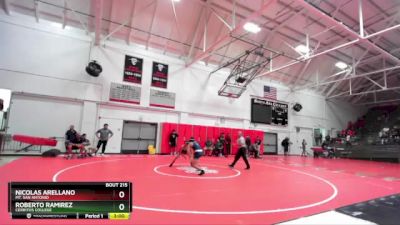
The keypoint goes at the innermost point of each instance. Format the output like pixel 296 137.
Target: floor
pixel 276 189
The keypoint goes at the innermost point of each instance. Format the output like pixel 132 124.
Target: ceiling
pixel 207 31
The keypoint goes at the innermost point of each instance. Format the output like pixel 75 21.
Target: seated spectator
pixel 76 143
pixel 70 135
pixel 90 151
pixel 254 150
pixel 209 147
pixel 218 148
pixel 257 146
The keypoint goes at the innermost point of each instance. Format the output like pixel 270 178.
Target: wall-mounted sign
pixel 125 93
pixel 269 112
pixel 162 99
pixel 133 69
pixel 159 76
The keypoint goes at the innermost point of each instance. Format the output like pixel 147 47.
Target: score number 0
pixel 121 206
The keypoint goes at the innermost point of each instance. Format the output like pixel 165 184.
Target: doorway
pixel 270 143
pixel 137 136
pixel 307 135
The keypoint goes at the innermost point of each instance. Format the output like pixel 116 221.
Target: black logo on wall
pixel 159 77
pixel 133 69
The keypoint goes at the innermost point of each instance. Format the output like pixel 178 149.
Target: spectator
pixel 228 142
pixel 303 146
pixel 90 151
pixel 348 140
pixel 209 147
pixel 103 134
pixel 285 143
pixel 70 135
pixel 76 143
pixel 257 146
pixel 248 141
pixel 173 136
pixel 328 138
pixel 218 148
pixel 223 142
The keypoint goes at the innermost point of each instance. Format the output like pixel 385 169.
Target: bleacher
pixel 368 144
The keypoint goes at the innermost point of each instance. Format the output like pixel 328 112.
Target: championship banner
pixel 162 99
pixel 159 76
pixel 133 69
pixel 125 93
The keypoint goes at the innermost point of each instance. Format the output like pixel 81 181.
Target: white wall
pixel 38 59
pixel 43 117
pixel 5 95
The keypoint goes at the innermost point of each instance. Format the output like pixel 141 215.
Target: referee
pixel 241 152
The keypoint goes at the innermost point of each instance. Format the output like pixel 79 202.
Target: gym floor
pixel 274 190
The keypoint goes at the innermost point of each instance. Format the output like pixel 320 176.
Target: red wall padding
pixel 201 133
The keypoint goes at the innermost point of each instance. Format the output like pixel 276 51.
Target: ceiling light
pixel 252 27
pixel 341 65
pixel 302 49
pixel 176 0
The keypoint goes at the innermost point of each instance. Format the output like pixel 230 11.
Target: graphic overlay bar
pixel 70 200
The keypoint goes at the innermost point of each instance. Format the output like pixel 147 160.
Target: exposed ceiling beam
pixel 65 14
pixel 376 83
pixel 363 92
pixel 333 21
pixel 6 6
pixel 220 32
pixel 356 76
pixel 216 44
pixel 356 64
pixel 176 20
pixel 98 17
pixel 151 24
pixel 77 15
pixel 131 16
pixel 358 39
pixel 196 32
pixel 36 6
pixel 379 102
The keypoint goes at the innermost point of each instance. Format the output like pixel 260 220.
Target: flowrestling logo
pixel 191 170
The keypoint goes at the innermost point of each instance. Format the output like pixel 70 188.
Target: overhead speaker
pixel 94 69
pixel 240 79
pixel 297 107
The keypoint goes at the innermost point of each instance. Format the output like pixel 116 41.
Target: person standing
pixel 103 134
pixel 285 143
pixel 173 137
pixel 241 152
pixel 303 145
pixel 348 139
pixel 228 141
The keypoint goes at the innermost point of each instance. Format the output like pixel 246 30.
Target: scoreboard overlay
pixel 70 200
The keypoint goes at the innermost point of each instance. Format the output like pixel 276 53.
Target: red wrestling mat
pixel 275 189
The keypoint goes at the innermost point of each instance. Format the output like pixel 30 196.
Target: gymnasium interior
pixel 199 112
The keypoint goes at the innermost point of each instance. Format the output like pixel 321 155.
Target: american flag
pixel 269 92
